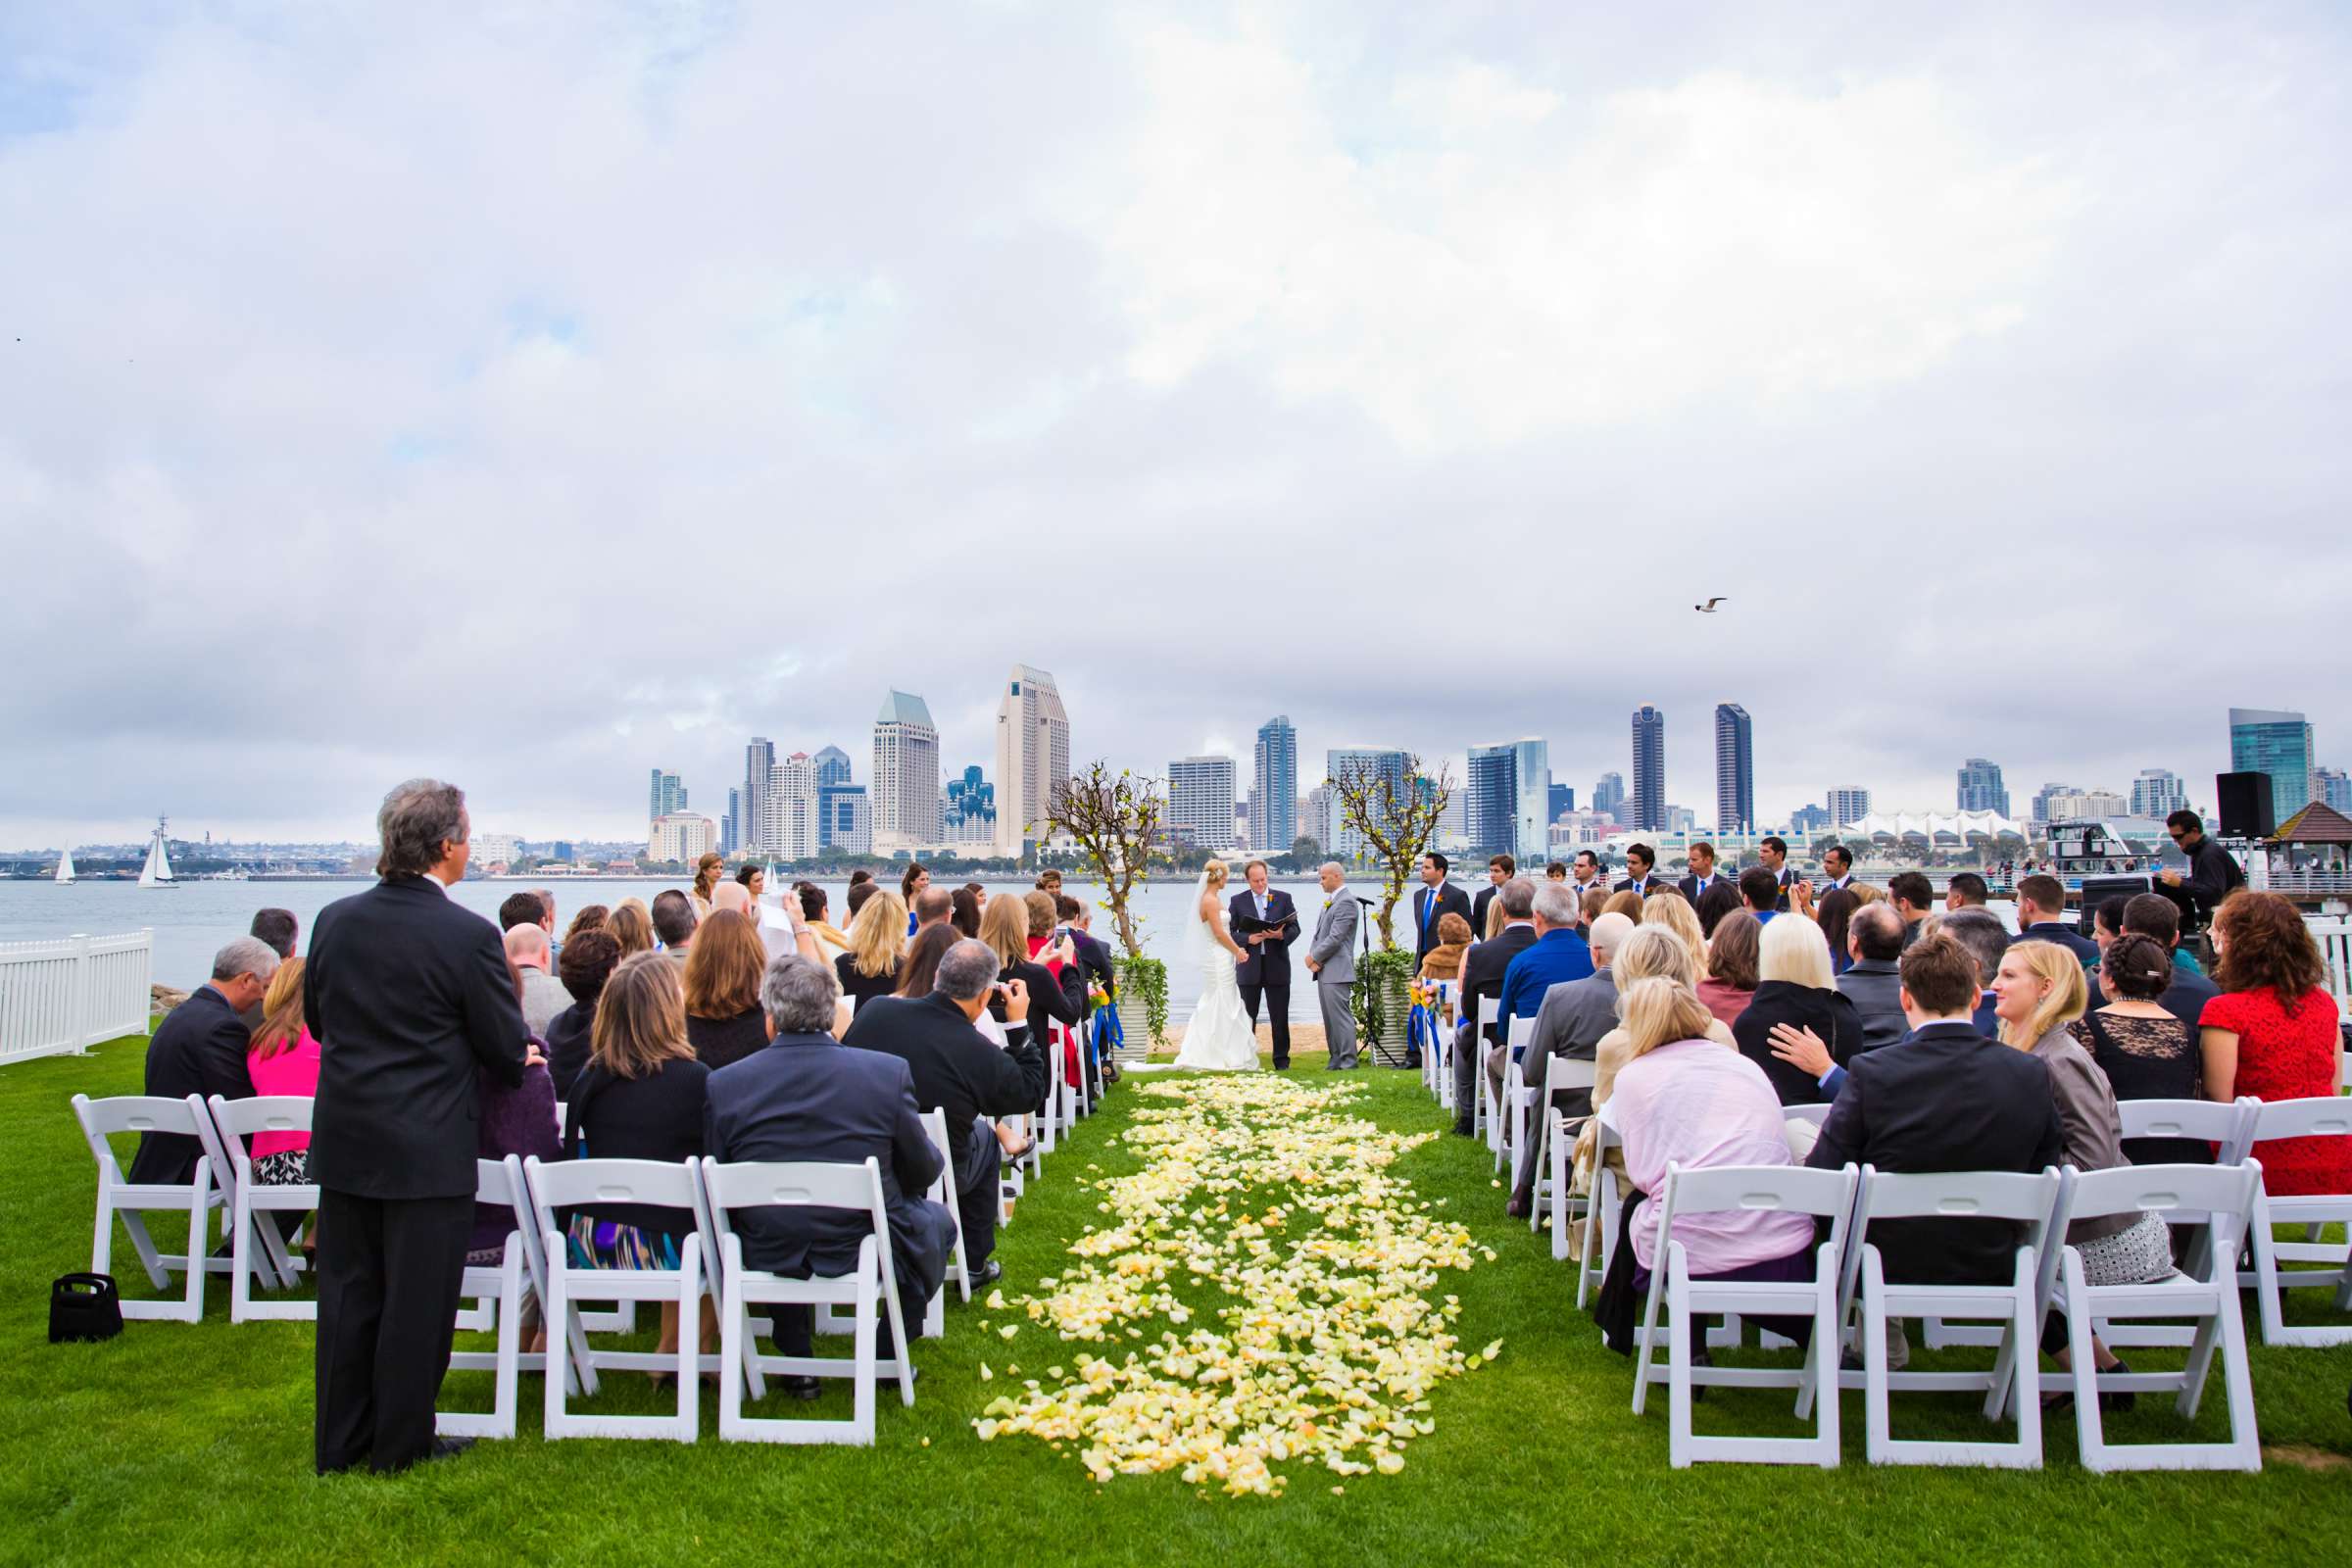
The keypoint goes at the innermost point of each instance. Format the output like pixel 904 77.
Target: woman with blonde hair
pixel 1651 952
pixel 1684 1101
pixel 724 969
pixel 283 1060
pixel 1005 927
pixel 707 873
pixel 640 1098
pixel 877 945
pixel 633 926
pixel 1795 990
pixel 1670 909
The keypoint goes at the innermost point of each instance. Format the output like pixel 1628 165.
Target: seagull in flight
pixel 1708 609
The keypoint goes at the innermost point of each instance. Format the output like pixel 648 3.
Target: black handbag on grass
pixel 84 1306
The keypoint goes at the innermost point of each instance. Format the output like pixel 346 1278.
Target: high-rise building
pixel 1735 769
pixel 1562 798
pixel 2158 792
pixel 1848 805
pixel 1033 757
pixel 1200 800
pixel 1648 802
pixel 1809 820
pixel 1369 765
pixel 906 776
pixel 1609 794
pixel 731 827
pixel 1509 791
pixel 2278 742
pixel 844 823
pixel 1681 819
pixel 2083 806
pixel 1314 818
pixel 2335 787
pixel 1273 820
pixel 1453 823
pixel 832 766
pixel 2046 794
pixel 971 810
pixel 1981 788
pixel 681 836
pixel 792 820
pixel 758 760
pixel 669 795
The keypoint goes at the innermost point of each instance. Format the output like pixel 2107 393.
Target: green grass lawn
pixel 192 1442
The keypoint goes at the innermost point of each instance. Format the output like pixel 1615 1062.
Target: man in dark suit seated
pixel 1483 968
pixel 1982 933
pixel 2040 902
pixel 1432 901
pixel 1500 868
pixel 1945 1098
pixel 810 1099
pixel 412 1003
pixel 1872 983
pixel 963 1072
pixel 199 1048
pixel 1640 862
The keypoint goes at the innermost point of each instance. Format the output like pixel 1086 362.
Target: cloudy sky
pixel 534 398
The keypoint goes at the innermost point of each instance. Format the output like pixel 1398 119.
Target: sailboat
pixel 157 872
pixel 65 866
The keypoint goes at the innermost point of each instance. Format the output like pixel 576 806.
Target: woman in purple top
pixel 520 1120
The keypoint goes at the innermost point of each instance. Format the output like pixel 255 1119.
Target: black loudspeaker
pixel 2245 805
pixel 2097 890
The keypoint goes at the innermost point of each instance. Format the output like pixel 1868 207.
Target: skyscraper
pixel 1735 769
pixel 972 813
pixel 1033 757
pixel 2334 786
pixel 1648 797
pixel 844 823
pixel 2158 792
pixel 1368 764
pixel 1563 798
pixel 758 760
pixel 791 828
pixel 2278 742
pixel 1608 793
pixel 2046 794
pixel 1200 800
pixel 1508 800
pixel 832 766
pixel 731 827
pixel 1981 788
pixel 1848 805
pixel 669 795
pixel 1274 788
pixel 906 776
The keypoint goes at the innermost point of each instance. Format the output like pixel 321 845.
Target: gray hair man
pixel 1558 955
pixel 199 1048
pixel 1871 982
pixel 966 1076
pixel 1331 959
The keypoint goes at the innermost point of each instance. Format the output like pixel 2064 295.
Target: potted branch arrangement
pixel 1115 820
pixel 1392 807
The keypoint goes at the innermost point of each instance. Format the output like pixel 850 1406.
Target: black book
pixel 1247 924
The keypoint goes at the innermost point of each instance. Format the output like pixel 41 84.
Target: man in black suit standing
pixel 1944 1098
pixel 1500 868
pixel 199 1048
pixel 1772 852
pixel 1266 972
pixel 1639 859
pixel 1481 992
pixel 963 1072
pixel 1432 901
pixel 1703 873
pixel 413 1003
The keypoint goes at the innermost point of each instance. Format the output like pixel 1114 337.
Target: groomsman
pixel 1500 868
pixel 1839 862
pixel 1331 959
pixel 1702 872
pixel 1639 860
pixel 1589 877
pixel 1432 901
pixel 1773 854
pixel 1267 969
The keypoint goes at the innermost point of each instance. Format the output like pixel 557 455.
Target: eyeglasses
pixel 2178 833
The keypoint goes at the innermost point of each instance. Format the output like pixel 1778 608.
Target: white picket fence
pixel 72 994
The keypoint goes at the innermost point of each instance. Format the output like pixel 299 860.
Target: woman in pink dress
pixel 283 1060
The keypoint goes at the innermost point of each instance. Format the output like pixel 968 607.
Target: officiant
pixel 1266 922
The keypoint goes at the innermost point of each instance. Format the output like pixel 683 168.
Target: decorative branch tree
pixel 1394 809
pixel 1116 821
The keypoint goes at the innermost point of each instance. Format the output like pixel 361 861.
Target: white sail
pixel 65 865
pixel 157 872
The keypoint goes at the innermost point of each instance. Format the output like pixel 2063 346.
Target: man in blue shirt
pixel 1558 955
pixel 1760 893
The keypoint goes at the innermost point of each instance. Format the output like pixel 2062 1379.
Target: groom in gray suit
pixel 1331 959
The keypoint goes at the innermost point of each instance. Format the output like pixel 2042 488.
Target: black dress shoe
pixel 987 1274
pixel 1463 1129
pixel 800 1388
pixel 442 1449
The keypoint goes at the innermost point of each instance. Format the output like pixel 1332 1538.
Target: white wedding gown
pixel 1219 1038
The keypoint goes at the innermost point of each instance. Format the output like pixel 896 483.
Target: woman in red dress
pixel 2273 1033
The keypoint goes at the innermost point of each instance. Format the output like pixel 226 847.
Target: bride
pixel 1219 1038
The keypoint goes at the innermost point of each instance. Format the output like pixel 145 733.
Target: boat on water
pixel 157 872
pixel 65 866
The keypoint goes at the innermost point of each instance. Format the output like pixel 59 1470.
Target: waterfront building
pixel 1809 820
pixel 1609 794
pixel 1981 788
pixel 682 836
pixel 832 766
pixel 1562 798
pixel 1646 805
pixel 1371 763
pixel 906 776
pixel 2083 806
pixel 1200 795
pixel 971 810
pixel 2158 792
pixel 669 795
pixel 790 831
pixel 1848 805
pixel 844 823
pixel 2334 788
pixel 1033 757
pixel 1508 800
pixel 1274 787
pixel 758 760
pixel 2276 742
pixel 1735 769
pixel 731 827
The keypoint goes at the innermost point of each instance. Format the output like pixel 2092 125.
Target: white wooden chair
pixel 870 1282
pixel 255 1246
pixel 943 1191
pixel 1600 1230
pixel 1516 1107
pixel 1561 1074
pixel 497 1292
pixel 578 1182
pixel 197 1198
pixel 2325 1116
pixel 2217 1197
pixel 1761 1189
pixel 2035 1202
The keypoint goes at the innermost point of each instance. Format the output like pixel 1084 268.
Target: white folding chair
pixel 2224 1126
pixel 1600 1229
pixel 497 1292
pixel 871 1282
pixel 2217 1197
pixel 1513 1109
pixel 1755 1189
pixel 2325 1116
pixel 1561 1074
pixel 197 1198
pixel 2035 1202
pixel 943 1191
pixel 253 1207
pixel 598 1183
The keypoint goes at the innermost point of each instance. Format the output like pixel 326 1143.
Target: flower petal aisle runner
pixel 1293 1272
